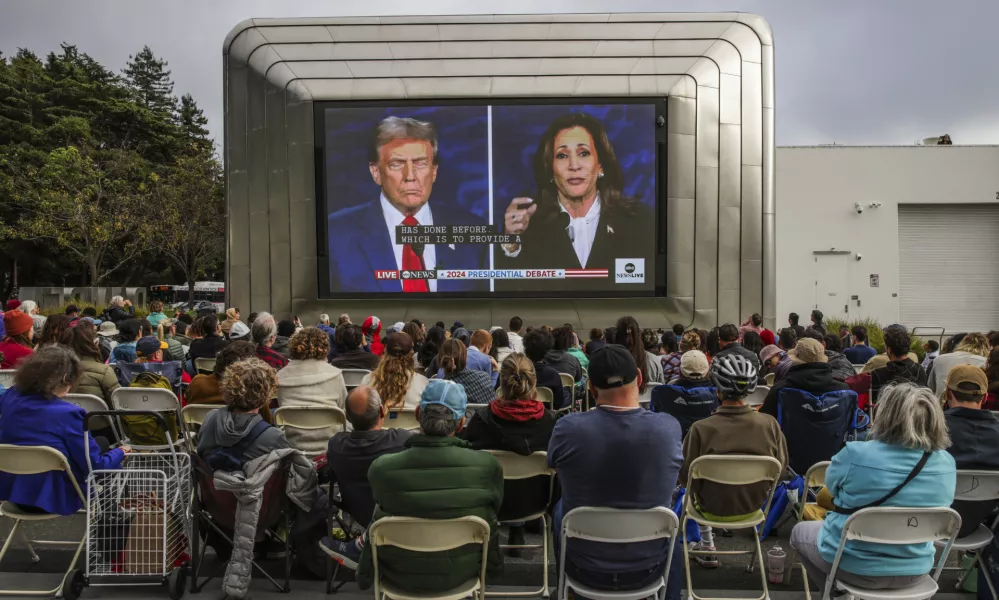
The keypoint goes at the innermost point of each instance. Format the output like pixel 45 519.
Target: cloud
pixel 850 72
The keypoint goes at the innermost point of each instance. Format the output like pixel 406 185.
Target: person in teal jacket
pixel 910 423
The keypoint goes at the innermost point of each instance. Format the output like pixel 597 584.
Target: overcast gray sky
pixel 848 71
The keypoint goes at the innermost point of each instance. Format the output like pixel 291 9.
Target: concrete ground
pixel 520 574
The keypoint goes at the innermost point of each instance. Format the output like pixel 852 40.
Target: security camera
pixel 860 256
pixel 859 207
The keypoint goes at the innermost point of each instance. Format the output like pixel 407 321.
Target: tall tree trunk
pixel 94 292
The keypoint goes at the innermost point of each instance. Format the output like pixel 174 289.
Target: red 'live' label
pixel 386 274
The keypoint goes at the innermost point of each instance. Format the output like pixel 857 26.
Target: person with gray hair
pixel 30 308
pixel 351 453
pixel 119 310
pixel 438 476
pixel 403 159
pixel 263 333
pixel 906 465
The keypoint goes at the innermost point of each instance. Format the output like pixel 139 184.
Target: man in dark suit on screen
pixel 403 162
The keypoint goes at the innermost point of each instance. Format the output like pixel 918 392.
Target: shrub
pixel 875 334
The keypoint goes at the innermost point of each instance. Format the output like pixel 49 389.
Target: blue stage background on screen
pixel 517 129
pixel 463 174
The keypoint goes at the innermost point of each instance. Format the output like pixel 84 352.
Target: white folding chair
pixel 896 525
pixel 6 377
pixel 428 535
pixel 303 425
pixel 91 403
pixel 570 384
pixel 616 526
pixel 517 467
pixel 157 400
pixel 770 378
pixel 730 469
pixel 401 419
pixel 204 365
pixel 34 460
pixel 194 416
pixel 814 478
pixel 758 396
pixel 353 377
pixel 645 398
pixel 546 395
pixel 975 486
pixel 471 409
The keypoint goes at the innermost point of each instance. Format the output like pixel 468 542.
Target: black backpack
pixel 230 459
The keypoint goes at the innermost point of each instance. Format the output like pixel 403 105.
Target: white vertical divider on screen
pixel 489 143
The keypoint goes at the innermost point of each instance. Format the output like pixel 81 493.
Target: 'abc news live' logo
pixel 389 274
pixel 629 270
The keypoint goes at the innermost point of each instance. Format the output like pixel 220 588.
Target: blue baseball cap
pixel 445 393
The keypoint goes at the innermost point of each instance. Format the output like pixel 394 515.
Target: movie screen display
pixel 476 200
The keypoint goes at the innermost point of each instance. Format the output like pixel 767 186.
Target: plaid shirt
pixel 671 366
pixel 272 357
pixel 478 386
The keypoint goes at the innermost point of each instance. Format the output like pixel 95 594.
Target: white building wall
pixel 817 188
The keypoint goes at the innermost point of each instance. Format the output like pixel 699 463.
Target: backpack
pixel 143 430
pixel 231 458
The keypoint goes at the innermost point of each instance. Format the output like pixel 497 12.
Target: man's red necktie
pixel 411 262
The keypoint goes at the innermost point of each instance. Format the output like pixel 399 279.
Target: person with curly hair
pixel 395 378
pixel 309 380
pixel 972 350
pixel 247 387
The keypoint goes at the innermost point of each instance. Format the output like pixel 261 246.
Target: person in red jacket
pixel 17 343
pixel 372 329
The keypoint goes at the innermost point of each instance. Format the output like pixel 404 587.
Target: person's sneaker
pixel 344 552
pixel 516 538
pixel 708 561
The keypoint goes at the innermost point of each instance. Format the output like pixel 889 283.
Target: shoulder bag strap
pixel 912 475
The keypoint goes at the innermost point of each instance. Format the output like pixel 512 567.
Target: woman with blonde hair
pixel 395 378
pixel 906 465
pixel 973 350
pixel 519 423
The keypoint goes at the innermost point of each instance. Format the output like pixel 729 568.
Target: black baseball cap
pixel 612 366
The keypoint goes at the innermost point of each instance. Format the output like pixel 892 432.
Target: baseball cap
pixel 445 393
pixel 808 351
pixel 769 352
pixel 148 346
pixel 694 365
pixel 612 366
pixel 968 379
pixel 398 344
pixel 238 330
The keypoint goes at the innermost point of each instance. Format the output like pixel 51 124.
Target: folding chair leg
pixel 10 538
pixel 686 559
pixel 982 569
pixel 763 568
pixel 804 578
pixel 544 562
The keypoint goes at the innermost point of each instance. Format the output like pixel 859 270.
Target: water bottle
pixel 775 564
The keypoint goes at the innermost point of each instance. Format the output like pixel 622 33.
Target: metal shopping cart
pixel 139 519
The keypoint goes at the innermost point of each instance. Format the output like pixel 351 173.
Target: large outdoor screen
pixel 470 199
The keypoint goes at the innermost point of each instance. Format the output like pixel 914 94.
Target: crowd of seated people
pixel 693 382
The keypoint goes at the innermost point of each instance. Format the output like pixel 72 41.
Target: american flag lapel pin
pixel 610 229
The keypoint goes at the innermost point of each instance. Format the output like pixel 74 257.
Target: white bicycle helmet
pixel 733 375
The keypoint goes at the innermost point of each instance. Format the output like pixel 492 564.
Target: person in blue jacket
pixel 910 425
pixel 33 413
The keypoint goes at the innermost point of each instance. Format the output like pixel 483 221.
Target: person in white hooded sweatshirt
pixel 516 340
pixel 309 380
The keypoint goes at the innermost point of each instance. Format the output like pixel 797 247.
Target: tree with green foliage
pixel 149 78
pixel 192 120
pixel 190 225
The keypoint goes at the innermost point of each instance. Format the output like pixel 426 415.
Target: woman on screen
pixel 579 217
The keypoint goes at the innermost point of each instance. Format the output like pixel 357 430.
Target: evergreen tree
pixel 150 80
pixel 192 119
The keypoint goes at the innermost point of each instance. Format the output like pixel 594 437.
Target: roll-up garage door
pixel 949 266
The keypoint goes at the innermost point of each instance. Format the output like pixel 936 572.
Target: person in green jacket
pixel 438 476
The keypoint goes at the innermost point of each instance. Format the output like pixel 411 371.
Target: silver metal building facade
pixel 715 70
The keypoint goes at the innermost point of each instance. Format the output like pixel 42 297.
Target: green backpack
pixel 143 430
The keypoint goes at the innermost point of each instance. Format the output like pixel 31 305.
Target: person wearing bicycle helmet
pixel 734 428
